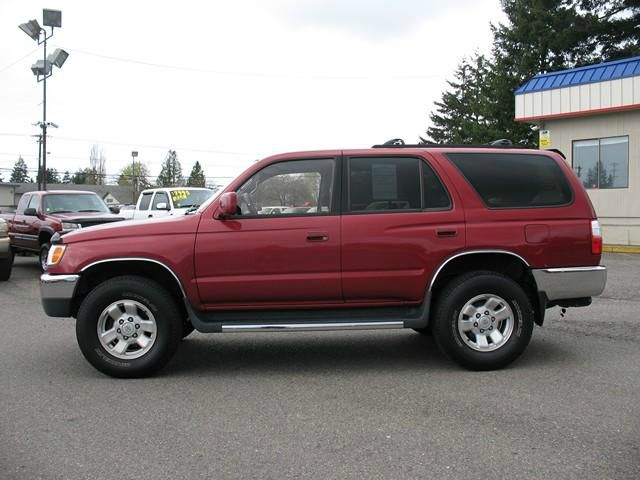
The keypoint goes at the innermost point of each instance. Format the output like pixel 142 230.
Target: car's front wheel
pixel 483 320
pixel 128 327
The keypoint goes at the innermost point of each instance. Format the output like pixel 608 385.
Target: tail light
pixel 596 238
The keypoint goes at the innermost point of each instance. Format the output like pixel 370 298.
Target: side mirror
pixel 162 206
pixel 115 209
pixel 228 204
pixel 30 212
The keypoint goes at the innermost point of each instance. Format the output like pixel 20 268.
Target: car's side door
pixel 399 222
pixel 278 260
pixel 19 230
pixel 142 209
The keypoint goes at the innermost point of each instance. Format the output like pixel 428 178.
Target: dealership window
pixel 602 162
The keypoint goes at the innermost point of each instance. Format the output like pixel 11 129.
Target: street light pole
pixel 44 119
pixel 134 177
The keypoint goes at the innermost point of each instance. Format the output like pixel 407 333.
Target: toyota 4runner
pixel 468 244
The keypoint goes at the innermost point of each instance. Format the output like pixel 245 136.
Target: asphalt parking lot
pixel 334 405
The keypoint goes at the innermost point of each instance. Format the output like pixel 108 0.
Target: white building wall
pixel 617 209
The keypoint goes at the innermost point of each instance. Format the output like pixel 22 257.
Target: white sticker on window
pixel 384 182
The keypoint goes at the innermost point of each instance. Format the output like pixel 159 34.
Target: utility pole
pixel 134 177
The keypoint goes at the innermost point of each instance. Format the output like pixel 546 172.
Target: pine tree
pixel 66 179
pixel 171 172
pixel 196 178
pixel 19 172
pixel 52 176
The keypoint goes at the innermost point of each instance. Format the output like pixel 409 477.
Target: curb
pixel 621 248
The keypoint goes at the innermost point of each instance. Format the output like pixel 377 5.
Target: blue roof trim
pixel 600 72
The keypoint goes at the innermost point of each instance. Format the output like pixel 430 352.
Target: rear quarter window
pixel 507 180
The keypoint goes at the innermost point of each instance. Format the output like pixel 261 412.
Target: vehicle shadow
pixel 349 352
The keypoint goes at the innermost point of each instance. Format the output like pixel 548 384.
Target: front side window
pixel 161 197
pixel 602 162
pixel 382 184
pixel 34 203
pixel 300 187
pixel 22 204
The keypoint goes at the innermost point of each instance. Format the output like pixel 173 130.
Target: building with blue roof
pixel 592 114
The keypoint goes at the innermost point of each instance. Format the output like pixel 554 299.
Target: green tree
pixel 52 176
pixel 19 172
pixel 140 172
pixel 66 179
pixel 85 176
pixel 196 178
pixel 171 172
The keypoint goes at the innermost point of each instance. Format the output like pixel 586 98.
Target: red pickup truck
pixel 42 214
pixel 470 245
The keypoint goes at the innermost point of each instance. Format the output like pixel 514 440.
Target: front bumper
pixel 571 282
pixel 56 293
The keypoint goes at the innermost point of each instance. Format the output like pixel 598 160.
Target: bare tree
pixel 97 163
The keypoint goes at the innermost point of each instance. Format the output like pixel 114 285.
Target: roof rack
pixel 399 143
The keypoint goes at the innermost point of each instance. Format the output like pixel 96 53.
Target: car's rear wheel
pixel 483 320
pixel 128 327
pixel 6 265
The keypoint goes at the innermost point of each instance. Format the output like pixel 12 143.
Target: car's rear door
pixel 399 223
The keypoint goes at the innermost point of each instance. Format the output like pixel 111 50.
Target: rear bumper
pixel 56 293
pixel 4 247
pixel 571 282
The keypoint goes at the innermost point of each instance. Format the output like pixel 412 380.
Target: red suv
pixel 469 244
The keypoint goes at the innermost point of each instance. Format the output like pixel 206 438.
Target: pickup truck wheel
pixel 483 320
pixel 128 327
pixel 44 254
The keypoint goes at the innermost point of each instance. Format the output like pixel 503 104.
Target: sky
pixel 228 82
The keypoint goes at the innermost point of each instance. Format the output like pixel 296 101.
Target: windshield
pixel 74 203
pixel 189 198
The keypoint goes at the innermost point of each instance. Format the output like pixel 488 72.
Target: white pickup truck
pixel 162 202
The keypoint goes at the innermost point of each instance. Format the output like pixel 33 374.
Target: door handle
pixel 150 216
pixel 317 236
pixel 446 233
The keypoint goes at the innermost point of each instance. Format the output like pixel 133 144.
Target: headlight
pixel 66 227
pixel 56 252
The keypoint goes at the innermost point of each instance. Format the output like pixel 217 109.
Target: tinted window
pixel 300 187
pixel 160 197
pixel 146 200
pixel 514 180
pixel 384 184
pixel 434 194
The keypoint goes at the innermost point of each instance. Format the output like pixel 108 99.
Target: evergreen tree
pixel 171 172
pixel 19 172
pixel 52 176
pixel 66 179
pixel 85 176
pixel 196 178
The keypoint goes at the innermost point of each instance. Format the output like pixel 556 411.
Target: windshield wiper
pixel 192 208
pixel 60 211
pixel 90 211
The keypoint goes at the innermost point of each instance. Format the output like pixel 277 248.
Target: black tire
pixel 6 264
pixel 149 294
pixel 448 310
pixel 44 253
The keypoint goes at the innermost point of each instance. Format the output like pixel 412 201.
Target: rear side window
pixel 146 200
pixel 507 180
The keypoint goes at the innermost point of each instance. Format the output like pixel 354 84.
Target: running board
pixel 309 327
pixel 310 320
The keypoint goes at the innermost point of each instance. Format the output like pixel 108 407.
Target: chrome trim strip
pixel 598 268
pixel 309 327
pixel 138 259
pixel 471 252
pixel 53 279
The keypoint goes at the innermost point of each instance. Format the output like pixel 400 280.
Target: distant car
pixel 6 255
pixel 127 211
pixel 271 210
pixel 164 202
pixel 295 210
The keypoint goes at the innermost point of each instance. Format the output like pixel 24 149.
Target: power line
pixel 295 75
pixel 7 67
